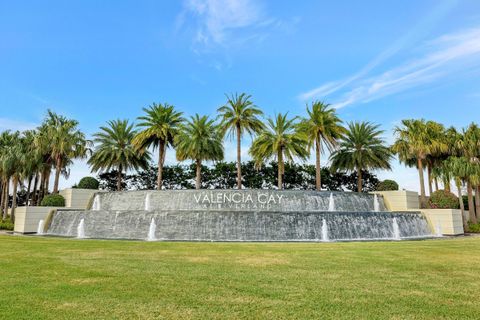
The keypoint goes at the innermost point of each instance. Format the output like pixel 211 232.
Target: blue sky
pixel 380 61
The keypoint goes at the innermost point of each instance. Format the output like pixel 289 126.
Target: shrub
pixel 88 183
pixel 473 227
pixel 442 199
pixel 387 185
pixel 6 225
pixel 53 200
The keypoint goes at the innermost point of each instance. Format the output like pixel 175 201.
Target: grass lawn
pixel 50 278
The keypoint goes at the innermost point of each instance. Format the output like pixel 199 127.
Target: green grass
pixel 51 278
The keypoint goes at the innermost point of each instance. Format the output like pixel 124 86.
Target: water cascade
pixel 396 229
pixel 81 229
pixel 147 202
pixel 331 203
pixel 96 203
pixel 41 226
pixel 239 215
pixel 376 204
pixel 151 231
pixel 324 231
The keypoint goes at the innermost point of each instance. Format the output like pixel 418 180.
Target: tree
pixel 415 141
pixel 114 150
pixel 10 160
pixel 199 140
pixel 362 148
pixel 321 126
pixel 240 115
pixel 280 141
pixel 65 142
pixel 159 126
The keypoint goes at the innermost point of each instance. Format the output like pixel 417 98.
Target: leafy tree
pixel 114 150
pixel 240 115
pixel 280 141
pixel 199 140
pixel 362 148
pixel 321 126
pixel 159 125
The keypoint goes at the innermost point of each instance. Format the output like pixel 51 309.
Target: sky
pixel 378 61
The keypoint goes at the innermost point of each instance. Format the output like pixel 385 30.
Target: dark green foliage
pixel 387 185
pixel 473 227
pixel 443 199
pixel 6 225
pixel 53 200
pixel 108 180
pixel 465 202
pixel 88 183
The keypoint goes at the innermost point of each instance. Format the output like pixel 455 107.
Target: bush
pixel 53 200
pixel 88 183
pixel 442 199
pixel 6 225
pixel 473 228
pixel 387 185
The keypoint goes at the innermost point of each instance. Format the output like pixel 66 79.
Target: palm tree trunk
pixel 280 169
pixel 239 158
pixel 471 205
pixel 119 179
pixel 2 197
pixel 423 199
pixel 436 184
pixel 58 169
pixel 318 169
pixel 41 192
pixel 14 199
pixel 5 199
pixel 462 207
pixel 429 174
pixel 161 156
pixel 47 181
pixel 198 176
pixel 359 180
pixel 30 178
pixel 35 185
pixel 477 202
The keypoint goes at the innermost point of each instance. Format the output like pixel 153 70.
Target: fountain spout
pixel 331 203
pixel 81 229
pixel 324 231
pixel 396 229
pixel 151 231
pixel 376 204
pixel 41 226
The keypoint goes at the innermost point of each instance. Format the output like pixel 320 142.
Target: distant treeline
pixel 222 175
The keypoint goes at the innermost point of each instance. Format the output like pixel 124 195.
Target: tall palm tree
pixel 240 115
pixel 64 141
pixel 199 140
pixel 159 125
pixel 415 140
pixel 362 148
pixel 11 161
pixel 281 141
pixel 114 150
pixel 321 126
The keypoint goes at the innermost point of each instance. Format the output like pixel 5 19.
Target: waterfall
pixel 41 226
pixel 151 231
pixel 376 204
pixel 331 203
pixel 324 231
pixel 147 202
pixel 438 229
pixel 96 203
pixel 396 229
pixel 81 229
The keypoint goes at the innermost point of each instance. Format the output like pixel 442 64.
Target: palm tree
pixel 280 141
pixel 11 161
pixel 199 140
pixel 415 140
pixel 114 150
pixel 240 115
pixel 321 126
pixel 160 126
pixel 362 148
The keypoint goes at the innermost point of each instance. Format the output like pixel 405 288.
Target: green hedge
pixel 88 183
pixel 6 225
pixel 473 228
pixel 53 200
pixel 443 199
pixel 387 185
